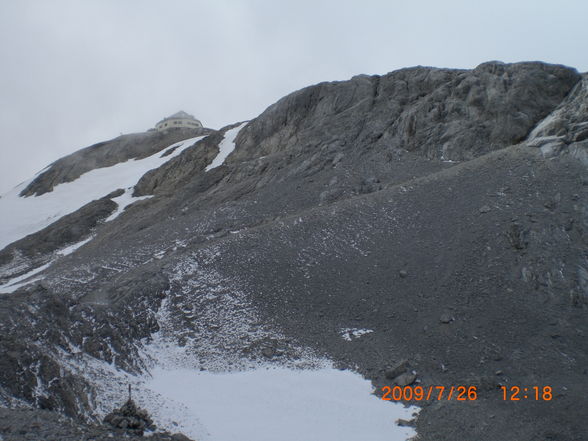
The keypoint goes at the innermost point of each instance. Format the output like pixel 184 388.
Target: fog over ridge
pixel 76 73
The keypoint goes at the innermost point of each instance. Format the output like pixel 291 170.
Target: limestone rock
pixel 405 423
pixel 446 318
pixel 405 379
pixel 396 370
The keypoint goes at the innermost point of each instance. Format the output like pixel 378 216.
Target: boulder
pixel 405 379
pixel 396 370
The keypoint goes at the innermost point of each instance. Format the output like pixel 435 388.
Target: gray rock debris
pixel 43 425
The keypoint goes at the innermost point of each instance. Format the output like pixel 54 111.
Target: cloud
pixel 76 73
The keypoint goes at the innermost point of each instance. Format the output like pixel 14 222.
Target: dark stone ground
pixel 43 425
pixel 514 321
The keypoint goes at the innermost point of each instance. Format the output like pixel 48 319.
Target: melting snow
pixel 17 282
pixel 351 333
pixel 123 201
pixel 13 284
pixel 226 146
pixel 70 249
pixel 25 216
pixel 276 403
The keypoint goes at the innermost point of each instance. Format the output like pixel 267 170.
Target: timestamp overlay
pixel 465 393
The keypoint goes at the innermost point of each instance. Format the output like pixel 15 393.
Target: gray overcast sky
pixel 73 73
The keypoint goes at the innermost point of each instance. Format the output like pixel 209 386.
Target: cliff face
pixel 438 113
pixel 446 210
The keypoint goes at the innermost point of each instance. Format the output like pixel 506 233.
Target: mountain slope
pixel 443 210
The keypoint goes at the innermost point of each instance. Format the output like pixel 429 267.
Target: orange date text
pixel 422 393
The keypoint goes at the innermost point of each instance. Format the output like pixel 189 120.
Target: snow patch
pixel 210 389
pixel 20 281
pixel 276 403
pixel 123 201
pixel 226 146
pixel 70 249
pixel 13 284
pixel 262 404
pixel 27 215
pixel 349 334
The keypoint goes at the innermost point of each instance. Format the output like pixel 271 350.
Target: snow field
pixel 266 404
pixel 27 215
pixel 207 391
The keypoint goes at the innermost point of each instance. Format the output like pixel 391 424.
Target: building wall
pixel 171 123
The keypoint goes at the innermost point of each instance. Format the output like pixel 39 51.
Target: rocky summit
pixel 427 227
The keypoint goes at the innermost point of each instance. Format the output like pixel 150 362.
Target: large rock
pixel 396 370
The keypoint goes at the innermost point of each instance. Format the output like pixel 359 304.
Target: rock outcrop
pixel 438 113
pixel 566 129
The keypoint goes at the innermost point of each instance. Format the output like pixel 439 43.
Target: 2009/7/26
pixel 419 393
